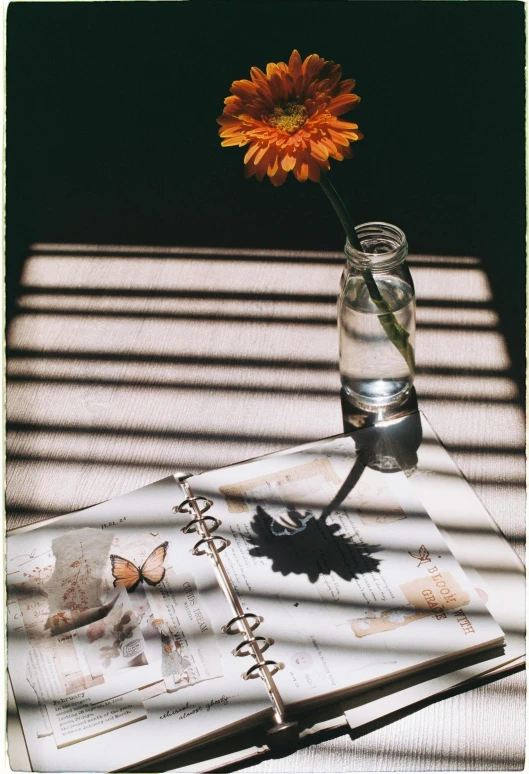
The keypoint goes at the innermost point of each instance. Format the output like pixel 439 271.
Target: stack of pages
pixel 350 577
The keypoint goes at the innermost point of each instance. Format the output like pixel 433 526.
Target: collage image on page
pixel 109 624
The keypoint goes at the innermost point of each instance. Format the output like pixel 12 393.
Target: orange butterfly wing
pixel 152 570
pixel 125 573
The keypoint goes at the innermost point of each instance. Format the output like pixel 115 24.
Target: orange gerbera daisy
pixel 289 116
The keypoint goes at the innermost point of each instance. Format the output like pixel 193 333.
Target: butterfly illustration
pixel 423 556
pixel 152 571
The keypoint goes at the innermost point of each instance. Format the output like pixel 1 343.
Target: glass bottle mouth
pixel 384 247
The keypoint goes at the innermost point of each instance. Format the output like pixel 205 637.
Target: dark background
pixel 111 132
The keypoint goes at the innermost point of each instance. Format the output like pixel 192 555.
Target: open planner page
pixel 478 545
pixel 354 581
pixel 116 652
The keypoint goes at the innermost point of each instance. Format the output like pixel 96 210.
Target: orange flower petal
pixel 319 151
pixel 331 147
pixel 343 104
pixel 250 152
pixel 289 116
pixel 258 76
pixel 249 170
pixel 243 89
pixel 288 162
pixel 273 166
pixel 346 125
pixel 225 120
pixel 314 170
pixel 294 63
pixel 346 85
pixel 279 178
pixel 312 65
pixel 302 171
pixel 260 153
pixel 234 141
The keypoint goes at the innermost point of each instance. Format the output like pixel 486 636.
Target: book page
pixel 355 582
pixel 116 650
pixel 489 562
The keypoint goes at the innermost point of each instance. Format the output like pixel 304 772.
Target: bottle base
pixel 374 394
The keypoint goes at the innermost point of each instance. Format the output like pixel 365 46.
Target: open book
pixel 200 606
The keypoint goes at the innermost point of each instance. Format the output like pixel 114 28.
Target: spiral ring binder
pixel 266 643
pixel 253 670
pixel 228 629
pixel 191 527
pixel 192 501
pixel 210 542
pixel 242 623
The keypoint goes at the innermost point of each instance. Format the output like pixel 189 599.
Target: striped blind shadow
pixel 60 367
pixel 137 449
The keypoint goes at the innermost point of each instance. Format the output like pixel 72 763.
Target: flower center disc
pixel 288 117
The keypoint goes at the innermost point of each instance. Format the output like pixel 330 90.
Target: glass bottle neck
pixel 384 247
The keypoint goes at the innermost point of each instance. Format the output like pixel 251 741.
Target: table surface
pixel 127 363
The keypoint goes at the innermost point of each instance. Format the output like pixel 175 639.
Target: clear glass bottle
pixel 376 319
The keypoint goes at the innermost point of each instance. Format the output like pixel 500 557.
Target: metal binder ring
pixel 254 670
pixel 191 527
pixel 266 642
pixel 228 629
pixel 181 509
pixel 207 540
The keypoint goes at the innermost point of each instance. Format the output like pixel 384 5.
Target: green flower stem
pixel 398 335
